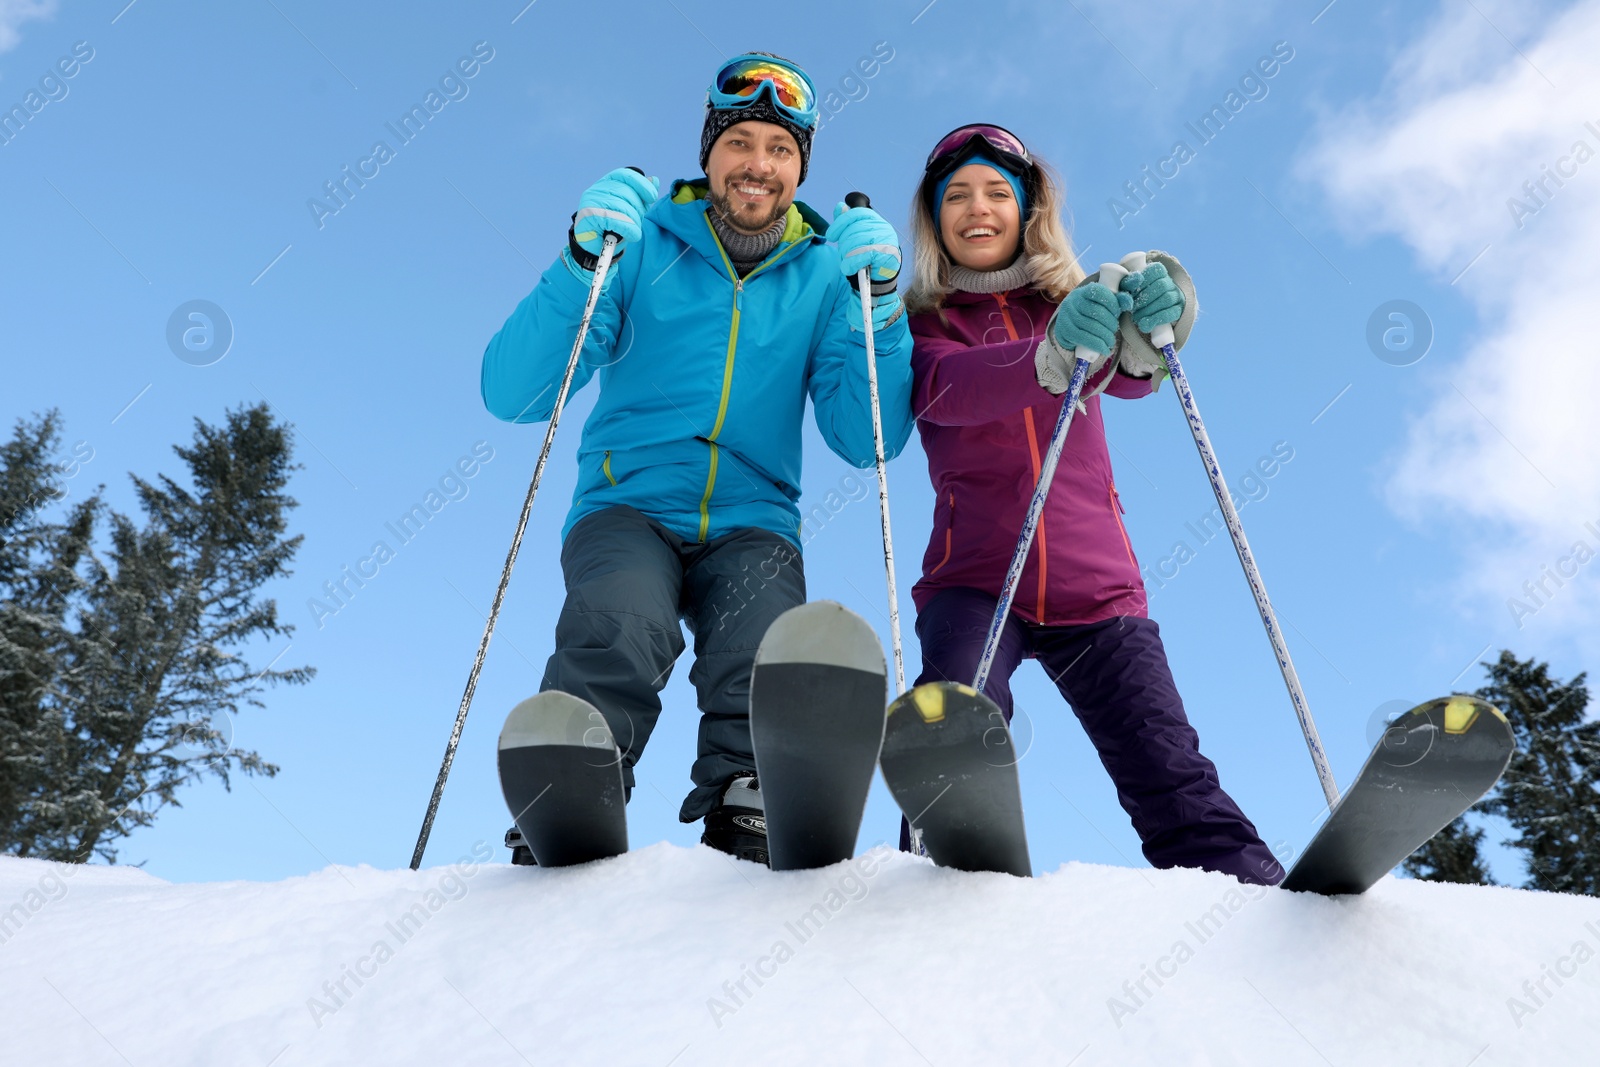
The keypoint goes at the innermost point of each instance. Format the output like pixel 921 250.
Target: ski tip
pixel 822 631
pixel 1459 714
pixel 928 700
pixel 931 700
pixel 556 718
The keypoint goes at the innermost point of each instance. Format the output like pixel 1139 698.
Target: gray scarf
pixel 745 250
pixel 1003 280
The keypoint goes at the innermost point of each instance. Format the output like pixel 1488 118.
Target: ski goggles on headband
pixel 960 144
pixel 743 79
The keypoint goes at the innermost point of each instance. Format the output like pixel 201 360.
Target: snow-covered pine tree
pixel 152 660
pixel 38 577
pixel 1551 791
pixel 1451 855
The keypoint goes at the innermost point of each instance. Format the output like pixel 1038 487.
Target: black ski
pixel 561 775
pixel 1432 764
pixel 949 760
pixel 816 721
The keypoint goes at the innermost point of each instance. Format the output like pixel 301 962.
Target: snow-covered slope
pixel 682 956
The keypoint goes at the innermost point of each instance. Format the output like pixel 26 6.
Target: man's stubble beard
pixel 725 207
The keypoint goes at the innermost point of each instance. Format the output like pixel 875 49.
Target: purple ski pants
pixel 1114 673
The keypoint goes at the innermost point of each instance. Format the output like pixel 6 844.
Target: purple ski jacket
pixel 986 422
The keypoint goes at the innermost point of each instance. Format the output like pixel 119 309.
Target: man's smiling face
pixel 754 169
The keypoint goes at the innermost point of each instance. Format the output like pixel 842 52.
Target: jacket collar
pixel 962 298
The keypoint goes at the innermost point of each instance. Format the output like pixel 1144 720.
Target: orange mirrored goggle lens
pixel 746 79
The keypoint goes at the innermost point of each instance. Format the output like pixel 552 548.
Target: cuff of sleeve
pixel 1136 364
pixel 586 276
pixel 1055 365
pixel 885 312
pixel 1049 367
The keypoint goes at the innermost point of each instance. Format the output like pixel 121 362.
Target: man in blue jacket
pixel 724 309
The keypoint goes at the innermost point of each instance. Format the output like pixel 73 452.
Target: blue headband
pixel 988 161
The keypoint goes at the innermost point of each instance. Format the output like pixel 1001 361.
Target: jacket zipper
pixel 1005 315
pixel 727 368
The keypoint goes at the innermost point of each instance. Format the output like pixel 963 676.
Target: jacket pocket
pixel 949 525
pixel 605 468
pixel 1117 511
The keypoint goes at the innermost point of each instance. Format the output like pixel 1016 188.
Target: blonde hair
pixel 1046 246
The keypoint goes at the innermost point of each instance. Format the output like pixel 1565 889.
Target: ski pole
pixel 864 283
pixel 1163 339
pixel 1111 275
pixel 607 248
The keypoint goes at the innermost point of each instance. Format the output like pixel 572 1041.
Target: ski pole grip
pixel 860 278
pixel 1111 275
pixel 1134 262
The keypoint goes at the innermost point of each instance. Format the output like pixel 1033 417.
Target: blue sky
pixel 1375 164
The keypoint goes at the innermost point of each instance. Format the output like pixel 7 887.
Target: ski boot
pixel 738 824
pixel 521 854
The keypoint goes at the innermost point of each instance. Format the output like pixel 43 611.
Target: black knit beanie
pixel 762 110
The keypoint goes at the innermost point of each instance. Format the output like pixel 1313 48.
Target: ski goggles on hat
pixel 743 79
pixel 960 144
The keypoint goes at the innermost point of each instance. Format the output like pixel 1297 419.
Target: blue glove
pixel 865 239
pixel 615 203
pixel 1157 300
pixel 1087 318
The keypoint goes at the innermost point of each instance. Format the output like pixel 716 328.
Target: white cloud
pixel 13 13
pixel 1491 97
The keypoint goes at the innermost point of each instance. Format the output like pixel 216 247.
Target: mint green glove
pixel 1087 318
pixel 1157 300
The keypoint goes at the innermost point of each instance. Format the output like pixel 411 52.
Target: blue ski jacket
pixel 704 375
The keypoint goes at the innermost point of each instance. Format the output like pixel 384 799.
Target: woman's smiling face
pixel 979 218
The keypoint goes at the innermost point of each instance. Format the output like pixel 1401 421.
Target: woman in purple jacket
pixel 997 306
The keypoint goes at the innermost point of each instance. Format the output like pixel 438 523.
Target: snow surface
pixel 639 960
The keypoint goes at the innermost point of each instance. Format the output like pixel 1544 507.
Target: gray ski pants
pixel 630 581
